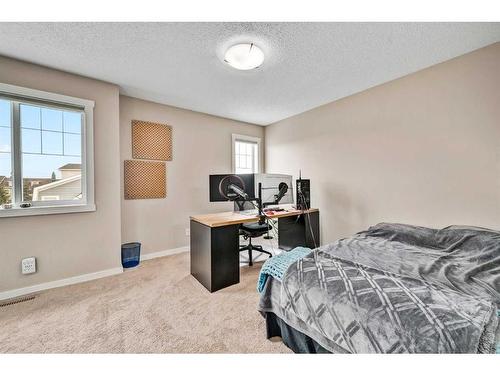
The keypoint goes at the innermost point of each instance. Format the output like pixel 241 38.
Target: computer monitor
pixel 215 184
pixel 271 187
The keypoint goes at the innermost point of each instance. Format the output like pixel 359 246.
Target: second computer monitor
pixel 270 187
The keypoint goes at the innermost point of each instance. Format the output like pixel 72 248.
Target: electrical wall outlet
pixel 28 265
pixel 188 232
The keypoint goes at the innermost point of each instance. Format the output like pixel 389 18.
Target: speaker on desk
pixel 303 201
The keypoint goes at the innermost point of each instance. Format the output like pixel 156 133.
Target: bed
pixel 393 288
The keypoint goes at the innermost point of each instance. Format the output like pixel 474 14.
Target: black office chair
pixel 253 230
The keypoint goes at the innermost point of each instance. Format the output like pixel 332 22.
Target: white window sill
pixel 46 210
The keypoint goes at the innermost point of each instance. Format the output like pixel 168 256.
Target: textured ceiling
pixel 306 64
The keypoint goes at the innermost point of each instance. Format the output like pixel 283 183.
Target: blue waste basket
pixel 131 254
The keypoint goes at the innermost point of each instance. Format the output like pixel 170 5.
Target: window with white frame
pixel 246 154
pixel 46 159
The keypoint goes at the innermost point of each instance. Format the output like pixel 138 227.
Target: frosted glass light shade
pixel 244 56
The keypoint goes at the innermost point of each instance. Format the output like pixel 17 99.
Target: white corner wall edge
pixel 83 278
pixel 164 253
pixel 58 283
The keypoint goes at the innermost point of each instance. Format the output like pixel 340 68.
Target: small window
pixel 45 152
pixel 246 154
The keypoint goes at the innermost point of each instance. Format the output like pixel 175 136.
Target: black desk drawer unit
pixel 215 256
pixel 302 230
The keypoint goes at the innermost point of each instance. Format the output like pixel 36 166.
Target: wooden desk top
pixel 230 218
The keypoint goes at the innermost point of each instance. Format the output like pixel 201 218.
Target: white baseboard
pixel 82 278
pixel 164 253
pixel 58 283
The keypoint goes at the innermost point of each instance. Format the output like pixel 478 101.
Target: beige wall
pixel 423 149
pixel 70 244
pixel 202 146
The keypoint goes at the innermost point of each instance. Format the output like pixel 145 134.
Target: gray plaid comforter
pixel 395 289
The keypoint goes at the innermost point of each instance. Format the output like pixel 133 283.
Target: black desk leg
pixel 215 257
pixel 294 231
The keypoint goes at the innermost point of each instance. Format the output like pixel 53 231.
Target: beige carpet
pixel 155 308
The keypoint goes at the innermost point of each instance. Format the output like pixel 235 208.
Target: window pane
pixel 5 139
pixel 72 144
pixel 256 158
pixel 246 157
pixel 48 176
pixel 249 161
pixel 31 140
pixel 5 113
pixel 30 116
pixel 5 153
pixel 51 177
pixel 5 178
pixel 51 119
pixel 73 122
pixel 52 143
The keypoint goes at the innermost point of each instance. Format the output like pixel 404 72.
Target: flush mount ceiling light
pixel 244 56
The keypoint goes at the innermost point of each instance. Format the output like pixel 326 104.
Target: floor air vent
pixel 16 301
